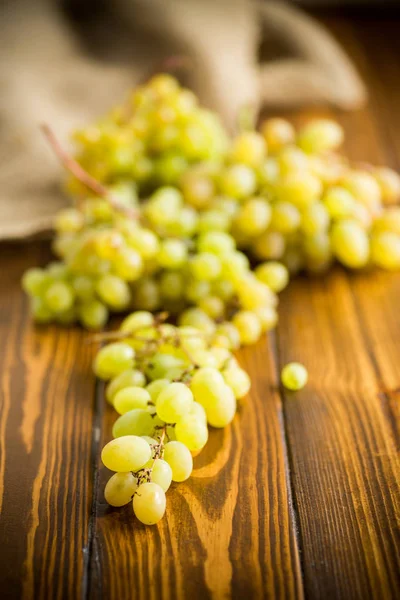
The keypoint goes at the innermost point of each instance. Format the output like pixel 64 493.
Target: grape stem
pixel 83 176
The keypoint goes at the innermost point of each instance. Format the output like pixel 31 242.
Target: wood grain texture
pixel 45 439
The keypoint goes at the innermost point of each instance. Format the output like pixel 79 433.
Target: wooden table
pixel 298 498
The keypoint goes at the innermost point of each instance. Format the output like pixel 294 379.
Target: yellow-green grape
pixel 113 291
pixel 145 242
pixel 186 224
pixel 206 384
pixel 221 412
pixel 146 294
pixel 169 168
pixel 249 148
pixel 317 252
pixel 365 189
pixel 163 205
pixel 40 311
pixel 149 503
pixel 113 359
pixel 269 246
pixel 199 412
pixel 268 317
pixel 198 188
pixel 128 264
pixel 294 259
pixel 213 220
pixel 222 355
pixel 223 289
pixel 59 296
pixel 120 489
pixel 174 402
pixel 172 254
pixel 315 219
pixel 97 210
pixel 268 174
pixel 165 366
pixel 238 181
pixel 178 456
pixel 156 387
pixel 107 243
pixel 126 379
pixel 294 376
pixel 248 325
pixel 128 453
pixel 216 242
pixel 137 421
pixel 197 318
pixel 292 160
pixel 388 220
pixel 227 336
pixel 254 216
pixel 320 135
pixel 300 189
pixel 69 220
pixel 238 380
pixel 192 432
pixel 235 266
pixel 35 281
pixel 197 289
pixel 129 398
pixel 137 321
pixel 277 133
pixel 205 266
pixel 285 218
pixel 172 285
pixel 84 287
pixel 253 293
pixel 339 202
pixel 385 250
pixel 213 306
pixel 350 244
pixel 274 274
pixel 389 183
pixel 161 474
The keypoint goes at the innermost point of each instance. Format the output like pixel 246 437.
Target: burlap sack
pixel 52 73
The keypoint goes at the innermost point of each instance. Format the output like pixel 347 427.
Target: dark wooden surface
pixel 299 498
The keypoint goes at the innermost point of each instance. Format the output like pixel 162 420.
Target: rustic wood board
pixel 299 498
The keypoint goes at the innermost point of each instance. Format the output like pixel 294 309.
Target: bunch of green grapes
pixel 152 138
pixel 168 384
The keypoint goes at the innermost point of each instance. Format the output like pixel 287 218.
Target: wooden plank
pixel 46 416
pixel 342 431
pixel 229 530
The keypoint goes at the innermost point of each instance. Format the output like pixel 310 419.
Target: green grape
pixel 113 291
pixel 350 244
pixel 221 412
pixel 205 266
pixel 300 189
pixel 150 440
pixel 161 474
pixel 292 160
pixel 268 174
pixel 320 135
pixel 179 459
pixel 267 316
pixel 146 294
pixel 84 287
pixel 128 264
pixel 120 489
pixel 254 293
pixel 248 148
pixel 126 379
pixel 196 289
pixel 385 250
pixel 339 202
pixel 35 281
pixel 156 387
pixel 192 432
pixel 216 242
pixel 69 220
pixel 40 311
pixel 97 210
pixel 128 453
pixel 238 380
pixel 59 296
pixel 149 503
pixel 206 384
pixel 285 218
pixel 389 183
pixel 165 366
pixel 277 133
pixel 135 422
pixel 238 181
pixel 163 205
pixel 229 206
pixel 235 267
pixel 93 314
pixel 186 224
pixel 214 220
pixel 197 318
pixel 274 274
pixel 388 220
pixel 365 189
pixel 199 412
pixel 170 167
pixel 315 219
pixel 129 398
pixel 248 325
pixel 174 402
pixel 198 188
pixel 203 358
pixel 172 254
pixel 227 335
pixel 294 376
pixel 112 359
pixel 318 252
pixel 137 321
pixel 213 306
pixel 270 245
pixel 223 289
pixel 221 355
pixel 108 243
pixel 145 242
pixel 254 216
pixel 172 285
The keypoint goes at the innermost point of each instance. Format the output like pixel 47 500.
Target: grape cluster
pixel 168 383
